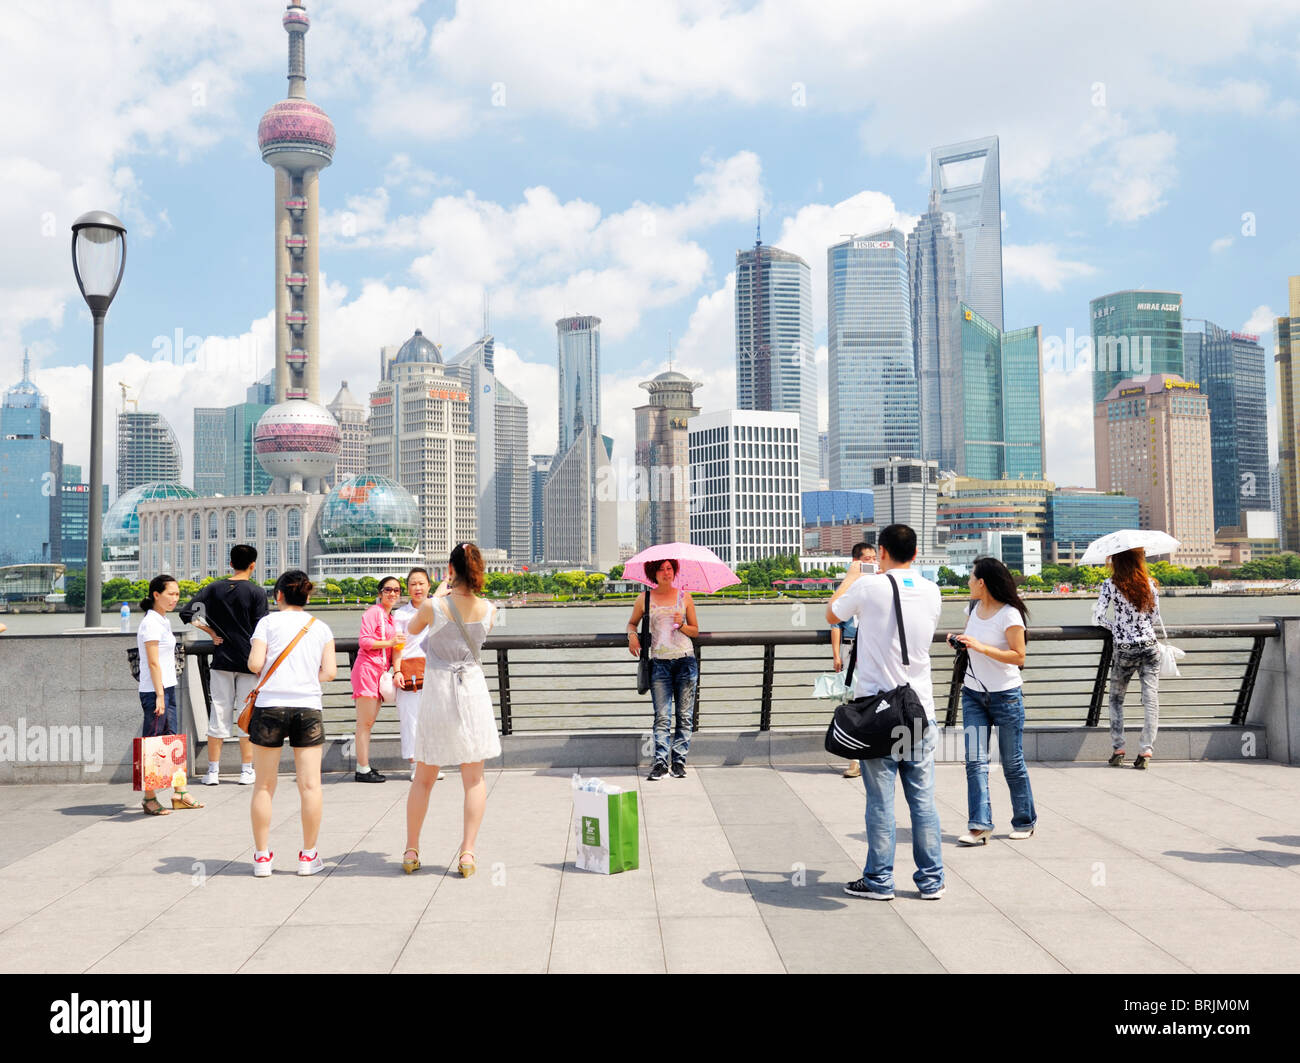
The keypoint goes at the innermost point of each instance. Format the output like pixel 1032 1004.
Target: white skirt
pixel 455 723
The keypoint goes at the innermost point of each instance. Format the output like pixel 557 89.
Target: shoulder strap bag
pixel 246 716
pixel 643 664
pixel 891 723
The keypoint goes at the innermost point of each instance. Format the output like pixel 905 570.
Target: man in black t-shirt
pixel 228 610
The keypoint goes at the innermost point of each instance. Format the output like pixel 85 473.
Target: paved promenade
pixel 1188 867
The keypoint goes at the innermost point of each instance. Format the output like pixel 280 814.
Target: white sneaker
pixel 247 776
pixel 262 865
pixel 213 777
pixel 441 775
pixel 312 866
pixel 934 895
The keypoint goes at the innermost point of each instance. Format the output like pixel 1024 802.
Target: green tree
pixel 1035 583
pixel 114 591
pixel 596 584
pixel 499 583
pixel 947 577
pixel 332 589
pixel 74 586
pixel 616 572
pixel 368 587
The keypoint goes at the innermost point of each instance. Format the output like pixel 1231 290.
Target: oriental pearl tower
pixel 297 440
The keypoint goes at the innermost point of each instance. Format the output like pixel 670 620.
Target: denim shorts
pixel 270 726
pixel 169 723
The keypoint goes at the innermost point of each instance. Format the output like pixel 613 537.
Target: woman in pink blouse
pixel 374 658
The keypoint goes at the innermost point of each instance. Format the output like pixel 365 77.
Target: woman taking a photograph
pixel 1137 610
pixel 455 723
pixel 374 658
pixel 289 706
pixel 674 669
pixel 991 696
pixel 157 648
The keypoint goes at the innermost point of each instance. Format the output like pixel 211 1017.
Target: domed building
pixel 367 526
pixel 421 411
pixel 663 460
pixel 298 444
pixel 123 534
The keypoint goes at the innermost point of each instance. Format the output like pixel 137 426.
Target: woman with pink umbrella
pixel 672 571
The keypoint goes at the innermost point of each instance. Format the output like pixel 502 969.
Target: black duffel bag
pixel 891 722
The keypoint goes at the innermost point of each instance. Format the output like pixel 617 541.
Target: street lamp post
pixel 98 260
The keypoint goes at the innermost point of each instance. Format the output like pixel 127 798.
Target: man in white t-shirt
pixel 870 599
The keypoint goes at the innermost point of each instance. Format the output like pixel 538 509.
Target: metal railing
pixel 764 679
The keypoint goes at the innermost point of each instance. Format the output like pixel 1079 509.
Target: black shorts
pixel 271 724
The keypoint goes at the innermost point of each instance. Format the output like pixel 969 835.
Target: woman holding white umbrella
pixel 1132 592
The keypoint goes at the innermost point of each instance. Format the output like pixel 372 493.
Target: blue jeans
pixel 918 787
pixel 672 680
pixel 1004 709
pixel 169 723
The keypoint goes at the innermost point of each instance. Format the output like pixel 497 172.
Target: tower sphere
pixel 295 19
pixel 297 135
pixel 297 438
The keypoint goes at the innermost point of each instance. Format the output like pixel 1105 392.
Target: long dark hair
pixel 1000 584
pixel 1130 577
pixel 156 586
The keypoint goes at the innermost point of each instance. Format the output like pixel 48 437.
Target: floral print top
pixel 1129 625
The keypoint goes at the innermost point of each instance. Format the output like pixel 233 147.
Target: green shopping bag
pixel 608 832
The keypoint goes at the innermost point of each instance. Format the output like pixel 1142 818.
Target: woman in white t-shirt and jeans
pixel 156 644
pixel 289 706
pixel 991 697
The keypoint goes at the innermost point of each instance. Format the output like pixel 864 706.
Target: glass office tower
pixel 578 356
pixel 31 468
pixel 1000 420
pixel 936 265
pixel 1135 335
pixel 967 179
pixel 776 365
pixel 1230 368
pixel 872 400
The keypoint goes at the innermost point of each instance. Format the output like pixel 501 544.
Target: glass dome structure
pixel 121 540
pixel 368 514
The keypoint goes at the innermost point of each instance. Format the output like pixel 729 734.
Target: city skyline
pixel 643 236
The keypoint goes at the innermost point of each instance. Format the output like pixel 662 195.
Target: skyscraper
pixel 999 416
pixel 538 472
pixel 74 517
pixel 499 421
pixel 872 398
pixel 936 267
pixel 209 450
pixel 354 434
pixel 420 436
pixel 578 358
pixel 775 359
pixel 1287 331
pixel 1135 334
pixel 1153 443
pixel 745 484
pixel 1230 368
pixel 31 468
pixel 297 440
pixel 580 511
pixel 662 460
pixel 906 491
pixel 967 180
pixel 147 450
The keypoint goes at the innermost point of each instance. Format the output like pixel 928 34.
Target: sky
pixel 610 158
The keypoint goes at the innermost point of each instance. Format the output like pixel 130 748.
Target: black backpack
pixel 891 723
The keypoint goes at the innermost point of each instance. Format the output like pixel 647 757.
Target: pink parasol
pixel 698 567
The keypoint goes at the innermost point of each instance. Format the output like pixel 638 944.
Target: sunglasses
pixel 391 590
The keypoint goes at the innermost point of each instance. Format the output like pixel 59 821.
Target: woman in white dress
pixel 455 723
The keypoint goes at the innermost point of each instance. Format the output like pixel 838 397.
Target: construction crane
pixel 134 402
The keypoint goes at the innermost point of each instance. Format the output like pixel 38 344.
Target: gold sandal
pixel 466 867
pixel 182 799
pixel 157 809
pixel 410 865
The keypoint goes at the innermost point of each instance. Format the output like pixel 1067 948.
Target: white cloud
pixel 1067 399
pixel 1134 174
pixel 1221 244
pixel 1042 266
pixel 1260 323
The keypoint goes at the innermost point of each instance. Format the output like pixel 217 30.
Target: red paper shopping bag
pixel 155 761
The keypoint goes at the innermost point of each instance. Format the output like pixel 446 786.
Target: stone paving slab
pixel 1188 867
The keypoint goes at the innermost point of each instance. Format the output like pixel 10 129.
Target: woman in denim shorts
pixel 289 706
